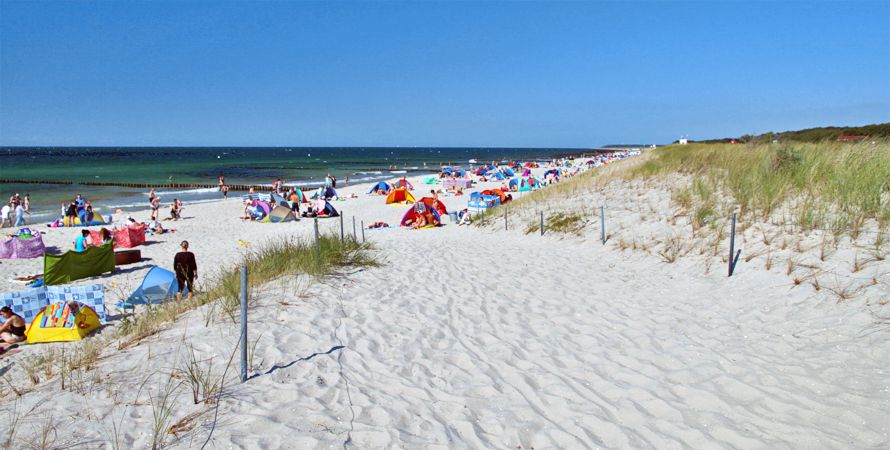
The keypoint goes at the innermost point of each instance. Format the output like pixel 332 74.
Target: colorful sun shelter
pixel 30 302
pixel 280 214
pixel 127 237
pixel 326 209
pixel 157 286
pixel 380 188
pixel 326 193
pixel 400 195
pixel 61 269
pixel 63 321
pixel 415 211
pixel 434 204
pixel 22 246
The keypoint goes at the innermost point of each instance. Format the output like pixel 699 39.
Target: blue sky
pixel 511 74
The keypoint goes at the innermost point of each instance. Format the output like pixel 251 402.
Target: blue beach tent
pixel 379 187
pixel 159 285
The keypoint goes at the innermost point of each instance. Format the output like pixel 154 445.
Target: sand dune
pixel 476 338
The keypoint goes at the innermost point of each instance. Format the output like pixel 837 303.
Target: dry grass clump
pixel 273 260
pixel 830 185
pixel 560 222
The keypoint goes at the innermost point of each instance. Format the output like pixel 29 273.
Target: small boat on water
pixel 472 161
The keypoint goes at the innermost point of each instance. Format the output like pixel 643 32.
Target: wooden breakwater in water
pixel 232 187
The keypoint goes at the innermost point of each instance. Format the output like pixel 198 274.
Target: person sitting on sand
pixel 176 209
pixel 13 329
pixel 107 237
pixel 186 269
pixel 80 244
pixel 155 227
pixel 464 217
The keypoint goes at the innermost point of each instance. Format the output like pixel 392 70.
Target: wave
pixel 187 191
pixel 398 171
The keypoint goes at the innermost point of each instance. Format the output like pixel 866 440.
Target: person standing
pixel 186 270
pixel 19 215
pixel 5 215
pixel 225 191
pixel 327 181
pixel 155 206
pixel 27 204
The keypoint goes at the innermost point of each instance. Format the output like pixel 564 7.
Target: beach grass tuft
pixel 829 185
pixel 267 262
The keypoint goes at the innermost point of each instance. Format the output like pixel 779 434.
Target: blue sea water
pixel 299 166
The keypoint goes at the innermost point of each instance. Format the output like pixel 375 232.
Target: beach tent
pixel 496 192
pixel 400 195
pixel 481 171
pixel 97 219
pixel 61 269
pixel 515 184
pixel 327 193
pixel 297 195
pixel 62 321
pixel 498 175
pixel 21 246
pixel 278 199
pixel 430 180
pixel 158 285
pixel 264 206
pixel 554 172
pixel 508 171
pixel 127 237
pixel 416 210
pixel 526 173
pixel 380 188
pixel 328 210
pixel 460 173
pixel 437 205
pixel 280 214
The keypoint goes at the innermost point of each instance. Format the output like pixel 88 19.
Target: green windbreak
pixel 61 269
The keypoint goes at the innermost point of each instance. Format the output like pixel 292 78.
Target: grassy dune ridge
pixel 830 185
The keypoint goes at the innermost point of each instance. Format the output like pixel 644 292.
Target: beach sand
pixel 469 337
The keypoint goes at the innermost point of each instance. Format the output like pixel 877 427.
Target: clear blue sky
pixel 435 74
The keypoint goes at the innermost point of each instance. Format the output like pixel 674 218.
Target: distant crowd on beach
pixel 14 211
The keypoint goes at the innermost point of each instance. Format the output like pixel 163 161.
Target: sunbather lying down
pixel 378 225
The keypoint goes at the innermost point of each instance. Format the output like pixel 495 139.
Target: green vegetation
pixel 876 131
pixel 273 260
pixel 561 222
pixel 833 185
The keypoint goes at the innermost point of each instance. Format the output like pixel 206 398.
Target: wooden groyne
pixel 232 187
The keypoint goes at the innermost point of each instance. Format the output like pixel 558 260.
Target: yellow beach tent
pixel 60 322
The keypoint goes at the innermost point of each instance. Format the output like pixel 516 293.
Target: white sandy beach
pixel 469 337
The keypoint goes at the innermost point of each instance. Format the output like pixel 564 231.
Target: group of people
pixel 13 212
pixel 154 204
pixel 77 212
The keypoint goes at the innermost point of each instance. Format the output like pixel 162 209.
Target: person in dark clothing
pixel 186 269
pixel 13 330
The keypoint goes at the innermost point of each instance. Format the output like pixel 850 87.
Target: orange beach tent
pixel 400 195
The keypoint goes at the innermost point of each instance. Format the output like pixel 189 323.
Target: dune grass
pixel 275 259
pixel 830 185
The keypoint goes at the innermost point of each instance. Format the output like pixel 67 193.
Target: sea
pixel 296 166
